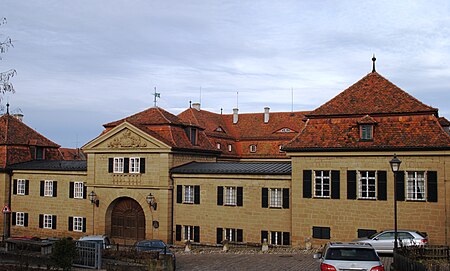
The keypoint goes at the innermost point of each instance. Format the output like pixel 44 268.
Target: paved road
pixel 248 262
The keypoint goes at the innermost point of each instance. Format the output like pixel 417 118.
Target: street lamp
pixel 395 166
pixel 93 198
pixel 151 201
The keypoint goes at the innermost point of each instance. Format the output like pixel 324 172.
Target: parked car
pixel 155 245
pixel 349 256
pixel 383 242
pixel 102 239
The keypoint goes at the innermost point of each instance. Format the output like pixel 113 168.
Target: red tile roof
pixel 373 94
pixel 72 154
pixel 444 122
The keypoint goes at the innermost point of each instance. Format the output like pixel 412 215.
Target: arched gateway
pixel 127 221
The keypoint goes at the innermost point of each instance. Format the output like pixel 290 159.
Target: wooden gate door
pixel 127 221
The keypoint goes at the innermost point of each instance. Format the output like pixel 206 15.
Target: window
pixel 21 187
pixel 233 195
pixel 78 189
pixel 275 197
pixel 219 129
pixel 415 186
pixel 321 232
pixel 48 221
pixel 252 148
pixel 365 233
pixel 193 136
pixel 39 153
pixel 118 165
pixel 187 232
pixel 78 224
pixel 188 194
pixel 366 132
pixel 231 235
pixel 230 195
pixel 229 147
pixel 276 237
pixel 135 164
pixel 218 146
pixel 20 219
pixel 321 184
pixel 285 130
pixel 48 189
pixel 367 185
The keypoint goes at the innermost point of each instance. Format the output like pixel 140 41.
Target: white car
pixel 383 242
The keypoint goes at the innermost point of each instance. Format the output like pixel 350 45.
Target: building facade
pixel 293 178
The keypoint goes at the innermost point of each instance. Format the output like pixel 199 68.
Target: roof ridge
pixel 159 111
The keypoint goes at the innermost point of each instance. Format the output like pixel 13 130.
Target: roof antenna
pixel 373 65
pixel 221 110
pixel 190 104
pixel 237 99
pixel 157 95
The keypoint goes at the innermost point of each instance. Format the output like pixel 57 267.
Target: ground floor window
pixel 187 233
pixel 229 234
pixel 276 237
pixel 321 232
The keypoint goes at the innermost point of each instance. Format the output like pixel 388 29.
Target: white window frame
pixel 229 234
pixel 188 232
pixel 278 235
pixel 229 147
pixel 48 221
pixel 416 186
pixel 219 146
pixel 367 184
pixel 21 183
pixel 78 190
pixel 118 164
pixel 20 219
pixel 253 148
pixel 78 223
pixel 135 164
pixel 322 181
pixel 48 188
pixel 188 194
pixel 276 197
pixel 231 195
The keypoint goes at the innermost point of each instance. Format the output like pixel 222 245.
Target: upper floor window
pixel 118 165
pixel 78 189
pixel 218 146
pixel 280 148
pixel 39 153
pixel 135 164
pixel 188 194
pixel 48 188
pixel 367 185
pixel 275 198
pixel 415 185
pixel 126 165
pixel 20 187
pixel 230 195
pixel 252 148
pixel 78 224
pixel 20 219
pixel 322 183
pixel 366 132
pixel 194 136
pixel 229 147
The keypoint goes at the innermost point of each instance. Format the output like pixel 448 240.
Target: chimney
pixel 196 106
pixel 235 115
pixel 18 116
pixel 266 114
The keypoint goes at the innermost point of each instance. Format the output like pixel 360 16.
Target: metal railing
pixel 429 258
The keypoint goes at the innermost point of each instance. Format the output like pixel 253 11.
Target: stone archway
pixel 127 221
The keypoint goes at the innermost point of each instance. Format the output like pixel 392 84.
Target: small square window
pixel 366 132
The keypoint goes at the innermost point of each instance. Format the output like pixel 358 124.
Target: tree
pixel 64 253
pixel 5 84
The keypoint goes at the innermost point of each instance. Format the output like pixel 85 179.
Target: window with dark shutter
pixel 71 189
pixel 335 184
pixel 219 235
pixel 382 185
pixel 41 221
pixel 286 198
pixel 126 165
pixel 197 234
pixel 240 196
pixel 27 187
pixel 351 184
pixel 264 235
pixel 13 218
pixel 25 220
pixel 178 233
pixel 42 188
pixel 70 222
pixel 197 194
pixel 432 186
pixel 240 235
pixel 53 222
pixel 142 165
pixel 286 238
pixel 110 165
pixel 265 198
pixel 55 189
pixel 84 191
pixel 84 224
pixel 307 175
pixel 15 187
pixel 179 194
pixel 220 195
pixel 400 185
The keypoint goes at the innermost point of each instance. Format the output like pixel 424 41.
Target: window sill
pixel 372 199
pixel 186 202
pixel 275 207
pixel 232 205
pixel 416 200
pixel 316 197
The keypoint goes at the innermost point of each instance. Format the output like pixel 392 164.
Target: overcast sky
pixel 81 64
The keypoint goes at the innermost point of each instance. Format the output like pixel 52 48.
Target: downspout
pixel 172 210
pixel 8 217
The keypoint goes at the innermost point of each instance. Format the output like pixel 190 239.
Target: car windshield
pixel 373 235
pixel 351 254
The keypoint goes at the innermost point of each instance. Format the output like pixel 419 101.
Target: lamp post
pixel 95 202
pixel 395 166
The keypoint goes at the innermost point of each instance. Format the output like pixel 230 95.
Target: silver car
pixel 383 242
pixel 349 256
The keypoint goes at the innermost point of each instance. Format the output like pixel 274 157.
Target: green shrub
pixel 64 253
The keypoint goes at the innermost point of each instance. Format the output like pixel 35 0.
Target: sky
pixel 83 63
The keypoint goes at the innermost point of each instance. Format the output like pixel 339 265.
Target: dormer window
pixel 252 148
pixel 366 132
pixel 219 129
pixel 218 146
pixel 39 153
pixel 193 136
pixel 229 147
pixel 285 130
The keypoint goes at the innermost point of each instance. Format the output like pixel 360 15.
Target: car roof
pixel 350 245
pixel 93 237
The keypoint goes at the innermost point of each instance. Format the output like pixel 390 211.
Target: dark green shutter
pixel 220 195
pixel 351 184
pixel 219 235
pixel 70 222
pixel 400 186
pixel 197 194
pixel 179 194
pixel 53 222
pixel 25 220
pixel 265 198
pixel 307 183
pixel 382 185
pixel 42 188
pixel 286 198
pixel 142 165
pixel 27 187
pixel 240 196
pixel 41 220
pixel 197 234
pixel 286 238
pixel 335 184
pixel 264 235
pixel 13 218
pixel 126 165
pixel 84 224
pixel 240 235
pixel 178 233
pixel 71 190
pixel 432 186
pixel 15 187
pixel 55 189
pixel 84 191
pixel 110 165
